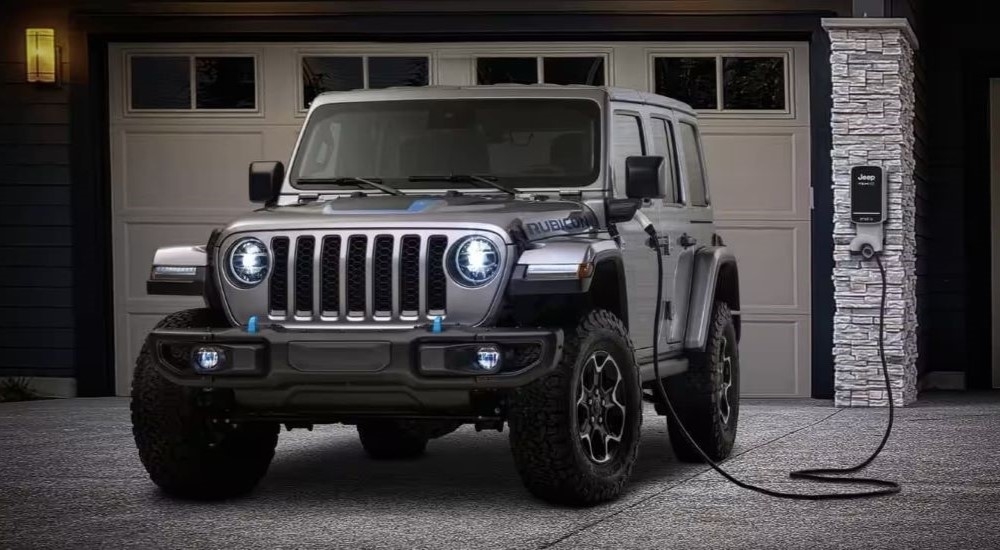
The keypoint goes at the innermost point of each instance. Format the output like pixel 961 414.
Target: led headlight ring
pixel 474 261
pixel 248 262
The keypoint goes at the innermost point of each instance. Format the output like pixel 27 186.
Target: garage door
pixel 187 119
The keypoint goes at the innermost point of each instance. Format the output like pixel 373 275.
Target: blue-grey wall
pixel 36 315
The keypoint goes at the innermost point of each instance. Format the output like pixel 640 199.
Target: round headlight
pixel 475 261
pixel 248 262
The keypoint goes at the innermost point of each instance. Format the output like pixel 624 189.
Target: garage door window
pixel 587 70
pixel 384 72
pixel 507 70
pixel 724 83
pixel 753 83
pixel 689 79
pixel 225 83
pixel 192 83
pixel 161 83
pixel 331 74
pixel 323 73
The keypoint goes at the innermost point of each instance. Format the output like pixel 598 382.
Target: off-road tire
pixel 544 434
pixel 695 395
pixel 389 439
pixel 183 451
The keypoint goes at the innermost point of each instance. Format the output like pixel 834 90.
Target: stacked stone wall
pixel 872 123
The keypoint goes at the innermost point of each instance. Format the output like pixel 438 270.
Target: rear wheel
pixel 575 433
pixel 189 450
pixel 707 396
pixel 391 439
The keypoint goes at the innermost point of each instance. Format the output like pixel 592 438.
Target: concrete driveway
pixel 70 477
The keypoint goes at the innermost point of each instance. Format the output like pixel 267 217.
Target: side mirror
pixel 621 210
pixel 265 181
pixel 642 177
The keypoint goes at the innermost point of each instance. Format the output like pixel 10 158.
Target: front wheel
pixel 707 396
pixel 575 433
pixel 188 450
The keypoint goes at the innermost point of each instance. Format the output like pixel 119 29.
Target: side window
pixel 627 142
pixel 663 145
pixel 692 165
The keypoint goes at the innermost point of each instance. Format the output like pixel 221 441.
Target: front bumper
pixel 356 372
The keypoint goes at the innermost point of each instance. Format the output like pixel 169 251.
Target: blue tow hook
pixel 252 325
pixel 436 326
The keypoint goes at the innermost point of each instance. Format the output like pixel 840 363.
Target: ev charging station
pixel 868 208
pixel 869 205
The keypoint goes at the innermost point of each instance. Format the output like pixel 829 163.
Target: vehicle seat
pixel 445 152
pixel 571 153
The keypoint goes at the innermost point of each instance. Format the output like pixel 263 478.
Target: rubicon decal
pixel 575 223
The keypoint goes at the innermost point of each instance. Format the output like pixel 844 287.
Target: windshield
pixel 424 144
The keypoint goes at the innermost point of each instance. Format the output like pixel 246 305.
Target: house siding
pixel 914 12
pixel 36 271
pixel 961 55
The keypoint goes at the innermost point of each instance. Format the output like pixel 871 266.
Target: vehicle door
pixel 672 220
pixel 692 227
pixel 628 139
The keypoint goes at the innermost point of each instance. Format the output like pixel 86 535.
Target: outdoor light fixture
pixel 40 55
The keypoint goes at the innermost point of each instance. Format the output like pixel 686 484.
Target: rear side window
pixel 692 165
pixel 663 145
pixel 627 142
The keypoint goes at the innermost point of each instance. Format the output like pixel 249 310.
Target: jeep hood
pixel 512 218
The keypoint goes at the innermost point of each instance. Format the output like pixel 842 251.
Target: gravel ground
pixel 70 477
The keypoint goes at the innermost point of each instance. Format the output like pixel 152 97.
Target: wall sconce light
pixel 41 55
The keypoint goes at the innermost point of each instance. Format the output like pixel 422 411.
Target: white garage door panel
pixel 771 280
pixel 177 175
pixel 175 167
pixel 758 174
pixel 772 351
pixel 760 177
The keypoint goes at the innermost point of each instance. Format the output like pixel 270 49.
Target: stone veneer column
pixel 872 122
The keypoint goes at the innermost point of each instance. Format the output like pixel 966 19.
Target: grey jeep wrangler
pixel 442 256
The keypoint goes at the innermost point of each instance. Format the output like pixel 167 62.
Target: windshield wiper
pixel 467 178
pixel 347 180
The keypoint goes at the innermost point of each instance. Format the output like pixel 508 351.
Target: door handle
pixel 687 241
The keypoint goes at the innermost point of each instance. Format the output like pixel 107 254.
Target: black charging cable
pixel 820 475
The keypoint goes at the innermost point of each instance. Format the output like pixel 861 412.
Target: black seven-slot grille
pixel 278 288
pixel 363 278
pixel 304 274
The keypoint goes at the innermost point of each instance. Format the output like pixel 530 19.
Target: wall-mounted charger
pixel 868 209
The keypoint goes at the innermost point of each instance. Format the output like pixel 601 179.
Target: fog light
pixel 488 358
pixel 208 358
